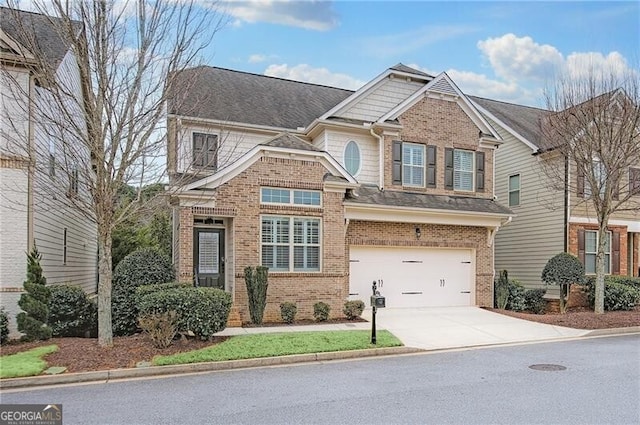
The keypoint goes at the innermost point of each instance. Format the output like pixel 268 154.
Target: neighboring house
pixel 33 175
pixel 549 221
pixel 333 189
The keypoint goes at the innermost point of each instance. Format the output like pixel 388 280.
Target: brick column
pixel 185 267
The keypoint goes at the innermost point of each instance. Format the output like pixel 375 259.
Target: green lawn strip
pixel 27 363
pixel 281 344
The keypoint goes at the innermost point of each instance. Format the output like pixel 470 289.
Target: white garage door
pixel 413 277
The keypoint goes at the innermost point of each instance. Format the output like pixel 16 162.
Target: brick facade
pixel 622 230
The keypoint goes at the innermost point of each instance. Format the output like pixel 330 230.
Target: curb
pixel 614 331
pixel 153 371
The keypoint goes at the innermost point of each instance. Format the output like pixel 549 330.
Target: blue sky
pixel 500 50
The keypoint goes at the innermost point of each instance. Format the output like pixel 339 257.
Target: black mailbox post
pixel 377 301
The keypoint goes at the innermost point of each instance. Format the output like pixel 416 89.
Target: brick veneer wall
pixel 443 124
pixel 330 285
pixel 573 241
pixel 432 235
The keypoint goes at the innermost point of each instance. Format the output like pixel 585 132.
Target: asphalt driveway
pixel 433 328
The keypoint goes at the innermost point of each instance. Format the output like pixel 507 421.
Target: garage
pixel 413 277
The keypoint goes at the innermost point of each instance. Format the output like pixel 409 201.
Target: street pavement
pixel 580 381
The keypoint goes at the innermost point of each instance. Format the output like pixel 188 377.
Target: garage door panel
pixel 412 277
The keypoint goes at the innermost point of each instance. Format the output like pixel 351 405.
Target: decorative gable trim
pixel 443 85
pixel 18 51
pixel 262 150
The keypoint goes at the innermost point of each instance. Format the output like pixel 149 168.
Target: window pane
pixel 514 198
pixel 267 230
pixel 462 170
pixel 280 196
pixel 590 242
pixel 413 164
pixel 590 263
pixel 306 197
pixel 514 182
pixel 282 230
pixel 352 157
pixel 282 258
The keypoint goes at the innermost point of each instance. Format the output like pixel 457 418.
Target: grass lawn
pixel 27 363
pixel 281 344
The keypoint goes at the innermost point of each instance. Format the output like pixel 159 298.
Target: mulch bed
pixel 84 354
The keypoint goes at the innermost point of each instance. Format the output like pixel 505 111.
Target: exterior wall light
pixel 418 233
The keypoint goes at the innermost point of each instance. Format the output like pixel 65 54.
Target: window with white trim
pixel 413 164
pixel 270 195
pixel 591 252
pixel 514 190
pixel 352 158
pixel 600 175
pixel 290 244
pixel 463 170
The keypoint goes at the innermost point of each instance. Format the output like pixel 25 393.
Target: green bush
pixel 4 326
pixel 321 311
pixel 564 270
pixel 516 300
pixel 32 321
pixel 623 280
pixel 142 267
pixel 143 290
pixel 203 311
pixel 501 290
pixel 257 285
pixel 71 312
pixel 534 300
pixel 617 296
pixel 161 327
pixel 288 312
pixel 353 309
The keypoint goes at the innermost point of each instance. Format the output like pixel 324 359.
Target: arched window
pixel 352 158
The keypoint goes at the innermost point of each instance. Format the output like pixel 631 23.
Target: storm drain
pixel 547 367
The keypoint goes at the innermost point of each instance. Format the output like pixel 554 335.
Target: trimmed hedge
pixel 321 311
pixel 617 295
pixel 143 290
pixel 143 267
pixel 203 311
pixel 71 312
pixel 353 309
pixel 288 311
pixel 534 300
pixel 516 301
pixel 4 326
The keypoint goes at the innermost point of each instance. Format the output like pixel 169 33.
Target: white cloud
pixel 308 74
pixel 582 65
pixel 259 57
pixel 313 15
pixel 515 58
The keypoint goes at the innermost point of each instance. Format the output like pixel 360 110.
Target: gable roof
pixel 523 120
pixel 240 97
pixel 407 69
pixel 289 141
pixel 45 37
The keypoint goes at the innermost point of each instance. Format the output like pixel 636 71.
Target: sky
pixel 501 50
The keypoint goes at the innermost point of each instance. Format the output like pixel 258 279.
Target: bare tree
pixel 594 126
pixel 108 123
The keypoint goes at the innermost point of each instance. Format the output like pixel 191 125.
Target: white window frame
pixel 511 190
pixel 348 159
pixel 408 164
pixel 457 171
pixel 291 243
pixel 607 265
pixel 600 173
pixel 292 195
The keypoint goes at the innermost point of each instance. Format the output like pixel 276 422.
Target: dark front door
pixel 208 257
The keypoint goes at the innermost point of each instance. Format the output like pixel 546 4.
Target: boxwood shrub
pixel 516 300
pixel 321 311
pixel 288 311
pixel 203 311
pixel 617 295
pixel 534 300
pixel 4 326
pixel 353 309
pixel 143 267
pixel 71 312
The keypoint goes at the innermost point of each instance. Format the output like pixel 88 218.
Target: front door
pixel 208 257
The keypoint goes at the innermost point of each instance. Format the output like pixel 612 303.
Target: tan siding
pixel 369 168
pixel 536 233
pixel 388 94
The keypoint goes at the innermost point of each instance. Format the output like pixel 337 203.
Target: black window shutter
pixel 198 146
pixel 479 171
pixel 431 166
pixel 615 253
pixel 212 151
pixel 397 162
pixel 580 180
pixel 581 245
pixel 448 168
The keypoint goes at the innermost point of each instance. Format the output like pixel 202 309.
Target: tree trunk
pixel 600 269
pixel 105 333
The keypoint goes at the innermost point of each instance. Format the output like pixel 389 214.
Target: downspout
pixel 31 149
pixel 381 157
pixel 566 203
